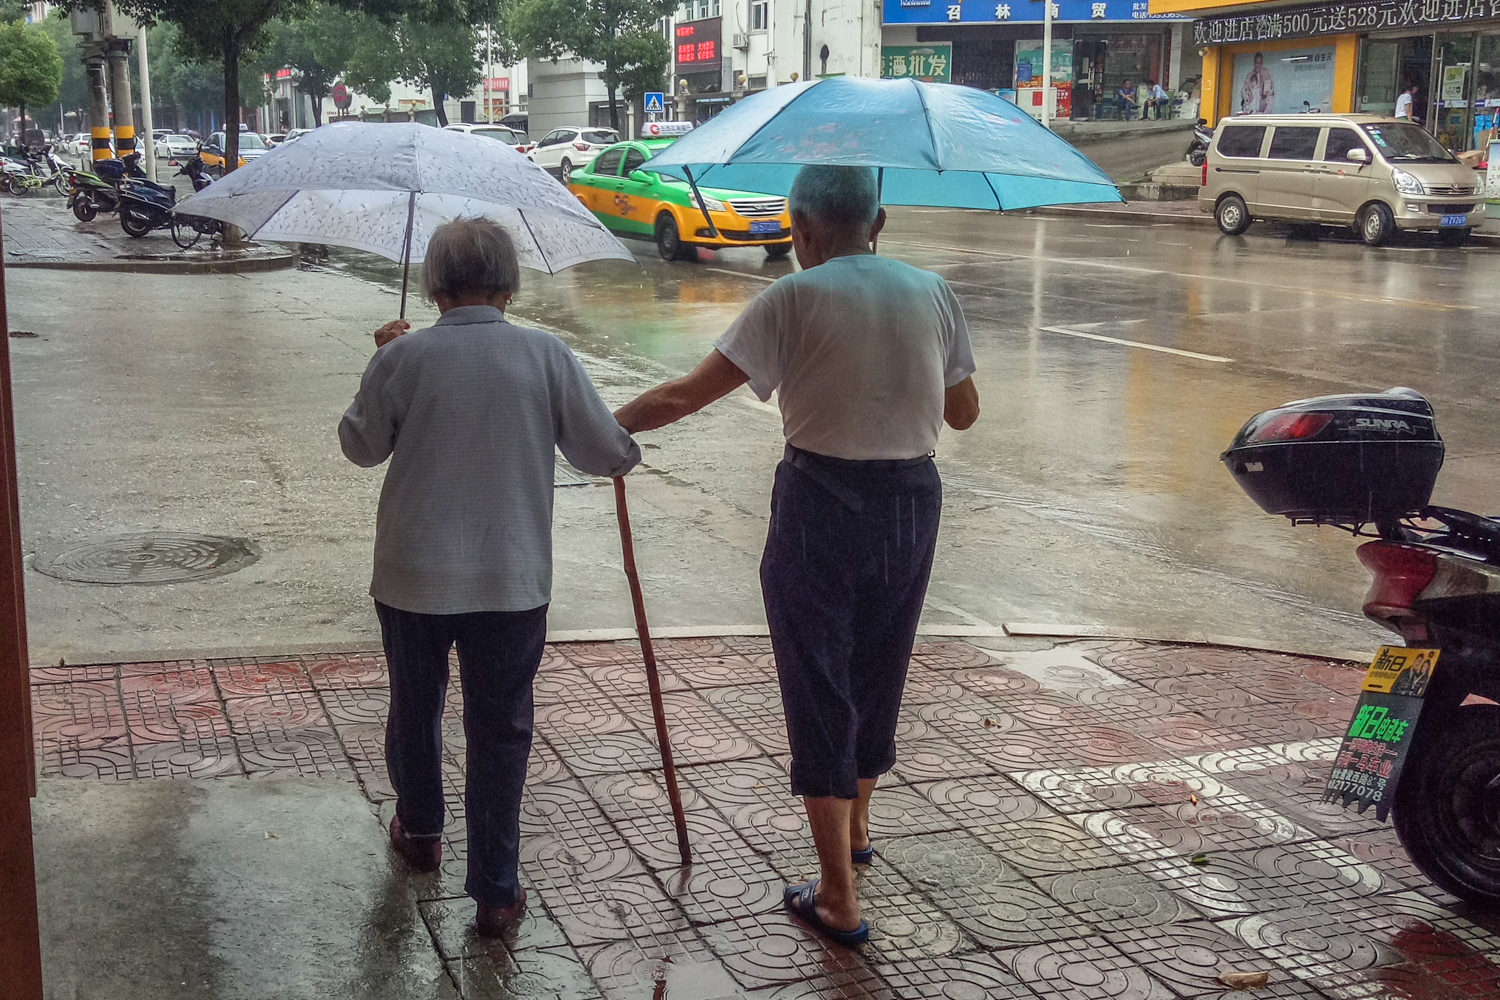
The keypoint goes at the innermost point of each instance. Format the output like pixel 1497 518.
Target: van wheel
pixel 1375 224
pixel 668 241
pixel 1232 215
pixel 1453 237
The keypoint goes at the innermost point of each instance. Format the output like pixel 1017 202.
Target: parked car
pixel 173 147
pixel 510 137
pixel 275 139
pixel 622 191
pixel 1376 175
pixel 564 149
pixel 295 134
pixel 79 144
pixel 252 145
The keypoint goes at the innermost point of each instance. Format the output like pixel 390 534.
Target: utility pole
pixel 118 52
pixel 144 63
pixel 807 41
pixel 489 73
pixel 97 71
pixel 1046 63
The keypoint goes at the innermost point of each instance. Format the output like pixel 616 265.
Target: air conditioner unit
pixel 741 40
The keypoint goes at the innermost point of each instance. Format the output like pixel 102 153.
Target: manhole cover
pixel 147 557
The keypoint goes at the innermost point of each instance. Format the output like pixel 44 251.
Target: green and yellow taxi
pixel 631 199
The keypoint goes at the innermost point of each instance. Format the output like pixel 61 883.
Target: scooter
pixel 187 230
pixel 1197 150
pixel 99 191
pixel 1424 744
pixel 144 204
pixel 34 171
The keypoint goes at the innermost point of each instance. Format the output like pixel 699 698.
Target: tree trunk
pixel 231 101
pixel 614 111
pixel 317 106
pixel 23 124
pixel 439 95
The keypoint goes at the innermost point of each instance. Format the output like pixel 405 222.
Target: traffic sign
pixel 656 102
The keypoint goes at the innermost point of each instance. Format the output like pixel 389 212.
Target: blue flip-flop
pixel 802 901
pixel 865 857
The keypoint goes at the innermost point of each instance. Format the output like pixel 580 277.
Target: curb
pixel 252 265
pixel 932 631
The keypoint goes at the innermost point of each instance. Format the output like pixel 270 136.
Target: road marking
pixel 1135 343
pixel 1222 278
pixel 741 274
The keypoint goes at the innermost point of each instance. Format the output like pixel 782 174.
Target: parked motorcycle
pixel 99 191
pixel 1424 743
pixel 144 204
pixel 187 230
pixel 1197 151
pixel 32 171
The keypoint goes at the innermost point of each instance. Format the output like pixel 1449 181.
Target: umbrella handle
pixel 653 680
pixel 411 213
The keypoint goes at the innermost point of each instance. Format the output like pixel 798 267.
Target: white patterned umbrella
pixel 384 188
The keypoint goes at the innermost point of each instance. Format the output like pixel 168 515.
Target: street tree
pixel 624 35
pixel 291 45
pixel 73 93
pixel 442 57
pixel 30 68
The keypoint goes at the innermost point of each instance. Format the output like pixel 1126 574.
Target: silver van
pixel 1375 175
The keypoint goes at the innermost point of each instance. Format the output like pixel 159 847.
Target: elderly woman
pixel 868 357
pixel 470 412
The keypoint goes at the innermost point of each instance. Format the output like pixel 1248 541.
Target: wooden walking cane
pixel 653 680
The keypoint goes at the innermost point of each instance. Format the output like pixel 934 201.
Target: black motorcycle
pixel 92 192
pixel 144 204
pixel 1197 151
pixel 1424 743
pixel 187 230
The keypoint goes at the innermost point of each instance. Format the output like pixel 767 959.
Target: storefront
pixel 1357 57
pixel 998 47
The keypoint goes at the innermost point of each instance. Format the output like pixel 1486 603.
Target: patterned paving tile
pixel 775 950
pixel 82 713
pixel 362 670
pixel 245 680
pixel 677 965
pixel 1189 957
pixel 1088 968
pixel 963 977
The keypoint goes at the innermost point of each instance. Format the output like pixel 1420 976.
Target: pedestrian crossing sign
pixel 655 102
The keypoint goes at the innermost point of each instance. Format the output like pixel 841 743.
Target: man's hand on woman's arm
pixel 961 405
pixel 715 377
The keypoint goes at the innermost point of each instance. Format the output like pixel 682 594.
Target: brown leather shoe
pixel 494 921
pixel 421 855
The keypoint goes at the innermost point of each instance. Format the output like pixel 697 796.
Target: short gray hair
pixel 470 257
pixel 836 196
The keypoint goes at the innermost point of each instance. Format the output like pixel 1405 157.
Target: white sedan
pixel 563 149
pixel 511 138
pixel 176 147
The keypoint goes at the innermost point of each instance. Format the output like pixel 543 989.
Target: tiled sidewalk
pixel 1098 819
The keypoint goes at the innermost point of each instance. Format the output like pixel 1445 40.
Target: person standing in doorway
pixel 470 412
pixel 868 357
pixel 1406 101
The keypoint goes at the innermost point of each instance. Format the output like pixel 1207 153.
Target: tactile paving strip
pixel 249 678
pixel 1117 900
pixel 1083 969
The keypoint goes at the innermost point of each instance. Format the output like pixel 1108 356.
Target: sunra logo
pixel 1381 424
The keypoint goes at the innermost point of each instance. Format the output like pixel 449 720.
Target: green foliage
pixel 624 35
pixel 74 89
pixel 31 71
pixel 191 85
pixel 442 57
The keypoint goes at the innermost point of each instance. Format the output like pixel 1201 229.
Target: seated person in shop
pixel 1125 98
pixel 1161 101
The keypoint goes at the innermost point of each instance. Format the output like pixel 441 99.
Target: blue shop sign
pixel 1028 11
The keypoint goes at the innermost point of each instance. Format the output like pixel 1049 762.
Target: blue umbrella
pixel 933 144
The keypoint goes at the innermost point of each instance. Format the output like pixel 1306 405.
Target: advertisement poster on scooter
pixel 1368 766
pixel 1283 81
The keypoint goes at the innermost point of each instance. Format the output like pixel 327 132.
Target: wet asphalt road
pixel 1090 492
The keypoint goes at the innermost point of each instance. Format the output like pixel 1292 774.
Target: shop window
pixel 1293 142
pixel 1241 140
pixel 1377 78
pixel 1487 90
pixel 1340 141
pixel 760 15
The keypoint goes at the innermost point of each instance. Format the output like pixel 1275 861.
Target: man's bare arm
pixel 961 405
pixel 715 377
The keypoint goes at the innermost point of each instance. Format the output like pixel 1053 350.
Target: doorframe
pixel 20 929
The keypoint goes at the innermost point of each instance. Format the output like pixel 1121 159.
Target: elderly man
pixel 868 357
pixel 470 412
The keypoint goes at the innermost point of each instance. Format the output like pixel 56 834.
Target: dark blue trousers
pixel 498 656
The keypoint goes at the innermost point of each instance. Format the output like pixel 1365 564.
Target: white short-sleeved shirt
pixel 1403 106
pixel 860 350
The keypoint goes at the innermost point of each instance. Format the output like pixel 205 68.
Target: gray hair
pixel 470 257
pixel 842 197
